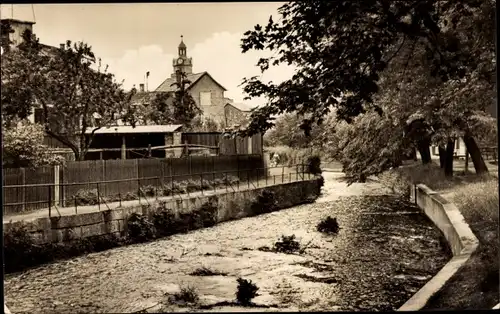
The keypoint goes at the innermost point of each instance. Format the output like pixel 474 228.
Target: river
pixel 385 251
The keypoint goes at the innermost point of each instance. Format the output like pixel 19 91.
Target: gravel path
pixel 381 256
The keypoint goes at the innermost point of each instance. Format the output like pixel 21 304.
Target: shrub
pixel 208 213
pixel 164 221
pixel 314 164
pixel 265 203
pixel 86 197
pixel 179 187
pixel 21 251
pixel 19 247
pixel 205 271
pixel 192 186
pixel 287 244
pixel 139 228
pixel 129 196
pixel 187 295
pixel 328 225
pixel 231 180
pixel 246 291
pixel 148 190
pixel 206 184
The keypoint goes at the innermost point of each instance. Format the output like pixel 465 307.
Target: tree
pixel 341 50
pixel 76 99
pixel 184 106
pixel 22 146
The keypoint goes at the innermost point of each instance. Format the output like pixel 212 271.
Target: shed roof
pixel 127 129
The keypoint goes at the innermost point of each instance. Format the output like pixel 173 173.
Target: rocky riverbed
pixel 384 252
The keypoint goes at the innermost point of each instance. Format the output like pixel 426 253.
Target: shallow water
pixel 385 251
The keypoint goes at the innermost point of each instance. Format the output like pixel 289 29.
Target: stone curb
pixel 447 217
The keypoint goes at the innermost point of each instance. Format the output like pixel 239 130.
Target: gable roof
pixel 241 106
pixel 166 86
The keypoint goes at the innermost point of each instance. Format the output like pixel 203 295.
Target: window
pixel 205 99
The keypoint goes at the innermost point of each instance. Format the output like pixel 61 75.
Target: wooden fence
pixel 227 146
pixel 126 176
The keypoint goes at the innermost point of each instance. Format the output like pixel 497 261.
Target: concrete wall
pixel 231 205
pixel 462 241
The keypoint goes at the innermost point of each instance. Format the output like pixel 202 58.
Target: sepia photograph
pixel 333 156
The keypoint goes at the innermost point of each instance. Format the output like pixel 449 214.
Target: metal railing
pixel 110 194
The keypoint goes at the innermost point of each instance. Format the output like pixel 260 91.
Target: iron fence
pixel 90 195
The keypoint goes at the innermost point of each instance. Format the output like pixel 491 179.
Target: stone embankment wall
pixel 462 241
pixel 231 205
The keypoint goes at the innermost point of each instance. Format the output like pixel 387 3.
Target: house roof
pixel 127 129
pixel 241 106
pixel 166 86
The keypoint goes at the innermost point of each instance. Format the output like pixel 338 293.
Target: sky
pixel 134 38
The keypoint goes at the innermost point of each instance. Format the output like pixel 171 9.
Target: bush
pixel 265 203
pixel 314 164
pixel 231 180
pixel 287 244
pixel 139 228
pixel 21 251
pixel 208 213
pixel 148 190
pixel 328 225
pixel 187 295
pixel 87 197
pixel 164 221
pixel 19 248
pixel 246 291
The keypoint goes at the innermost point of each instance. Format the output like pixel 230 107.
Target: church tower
pixel 182 62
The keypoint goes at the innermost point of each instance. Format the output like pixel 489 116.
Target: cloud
pixel 220 55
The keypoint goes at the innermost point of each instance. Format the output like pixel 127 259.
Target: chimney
pixel 61 46
pixel 141 88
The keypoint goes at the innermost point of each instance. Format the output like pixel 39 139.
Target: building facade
pixel 205 90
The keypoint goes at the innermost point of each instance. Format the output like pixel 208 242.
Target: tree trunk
pixel 442 156
pixel 448 161
pixel 475 154
pixel 466 161
pixel 425 151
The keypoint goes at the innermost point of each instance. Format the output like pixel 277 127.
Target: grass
pixel 187 295
pixel 476 286
pixel 205 271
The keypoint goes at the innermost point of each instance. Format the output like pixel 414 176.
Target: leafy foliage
pixel 23 147
pixel 139 228
pixel 247 290
pixel 328 225
pixel 314 164
pixel 185 108
pixel 340 48
pixel 287 244
pixel 76 99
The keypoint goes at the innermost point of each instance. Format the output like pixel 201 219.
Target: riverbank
pixel 385 251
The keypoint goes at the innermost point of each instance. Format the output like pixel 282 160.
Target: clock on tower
pixel 182 63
